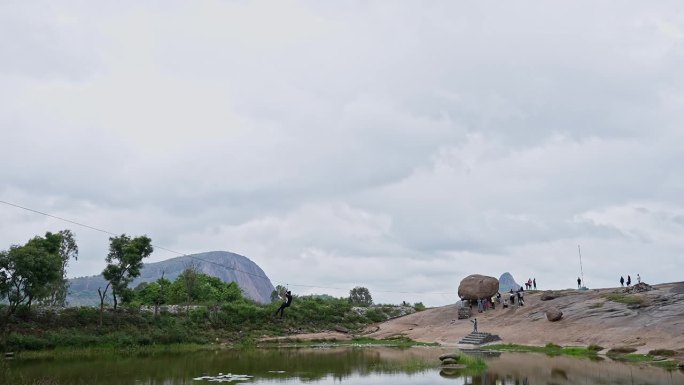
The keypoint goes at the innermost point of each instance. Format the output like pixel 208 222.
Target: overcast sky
pixel 399 146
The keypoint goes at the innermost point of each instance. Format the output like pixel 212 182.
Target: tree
pixel 278 293
pixel 360 296
pixel 68 249
pixel 26 272
pixel 124 262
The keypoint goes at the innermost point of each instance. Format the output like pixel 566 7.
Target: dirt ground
pixel 588 318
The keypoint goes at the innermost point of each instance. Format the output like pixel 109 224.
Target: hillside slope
pixel 229 267
pixel 589 317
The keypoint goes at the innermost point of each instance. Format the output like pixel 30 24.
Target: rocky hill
pixel 229 267
pixel 506 283
pixel 642 318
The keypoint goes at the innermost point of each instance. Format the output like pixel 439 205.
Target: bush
pixel 27 342
pixel 375 315
pixel 621 350
pixel 662 352
pixel 595 348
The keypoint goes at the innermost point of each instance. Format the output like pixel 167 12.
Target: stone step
pixel 478 338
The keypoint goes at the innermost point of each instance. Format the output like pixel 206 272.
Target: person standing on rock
pixel 285 304
pixel 534 282
pixel 622 281
pixel 474 321
pixel 579 282
pixel 629 280
pixel 638 278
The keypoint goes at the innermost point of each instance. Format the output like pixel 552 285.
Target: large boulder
pixel 553 314
pixel 477 286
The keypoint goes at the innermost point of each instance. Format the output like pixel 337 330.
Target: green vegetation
pixel 472 363
pixel 103 351
pixel 398 341
pixel 212 310
pixel 550 349
pixel 627 299
pixel 621 350
pixel 412 365
pixel 35 272
pixel 662 352
pixel 360 296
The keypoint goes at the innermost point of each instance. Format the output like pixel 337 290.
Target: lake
pixel 328 365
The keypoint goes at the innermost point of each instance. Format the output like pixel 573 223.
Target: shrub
pixel 662 352
pixel 375 315
pixel 621 350
pixel 595 348
pixel 27 342
pixel 625 298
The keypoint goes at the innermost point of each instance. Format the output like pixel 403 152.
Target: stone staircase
pixel 479 338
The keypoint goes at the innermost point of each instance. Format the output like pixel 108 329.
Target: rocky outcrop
pixel 506 283
pixel 639 288
pixel 477 286
pixel 229 267
pixel 549 295
pixel 553 314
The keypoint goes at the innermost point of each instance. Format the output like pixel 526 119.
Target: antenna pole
pixel 580 258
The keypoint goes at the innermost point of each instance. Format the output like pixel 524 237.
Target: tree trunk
pixel 102 295
pixel 114 296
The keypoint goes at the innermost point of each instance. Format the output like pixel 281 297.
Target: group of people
pixel 629 280
pixel 531 283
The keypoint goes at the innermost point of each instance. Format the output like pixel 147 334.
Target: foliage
pixel 627 299
pixel 124 262
pixel 662 352
pixel 204 289
pixel 550 349
pixel 278 293
pixel 360 296
pixel 419 306
pixel 27 272
pixel 621 350
pixel 57 289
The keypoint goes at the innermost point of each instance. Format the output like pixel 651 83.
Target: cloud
pixel 394 146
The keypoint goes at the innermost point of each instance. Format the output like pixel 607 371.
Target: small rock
pixel 341 329
pixel 549 295
pixel 452 356
pixel 449 361
pixel 553 314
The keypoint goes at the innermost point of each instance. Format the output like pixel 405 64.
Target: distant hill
pixel 229 267
pixel 506 283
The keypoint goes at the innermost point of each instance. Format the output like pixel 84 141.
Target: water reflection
pixel 355 366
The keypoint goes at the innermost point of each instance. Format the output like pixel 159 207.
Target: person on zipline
pixel 285 304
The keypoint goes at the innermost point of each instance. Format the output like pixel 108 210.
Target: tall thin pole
pixel 580 258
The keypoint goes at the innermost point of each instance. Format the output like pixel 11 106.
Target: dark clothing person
pixel 285 304
pixel 534 282
pixel 622 281
pixel 629 280
pixel 474 321
pixel 579 282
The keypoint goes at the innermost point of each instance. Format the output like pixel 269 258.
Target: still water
pixel 354 366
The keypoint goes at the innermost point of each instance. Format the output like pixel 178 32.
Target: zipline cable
pixel 200 259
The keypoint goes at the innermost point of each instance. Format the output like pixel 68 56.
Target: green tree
pixel 124 262
pixel 360 296
pixel 26 272
pixel 204 289
pixel 68 249
pixel 278 293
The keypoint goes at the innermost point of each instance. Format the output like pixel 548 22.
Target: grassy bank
pixel 401 342
pixel 235 324
pixel 549 349
pixel 654 357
